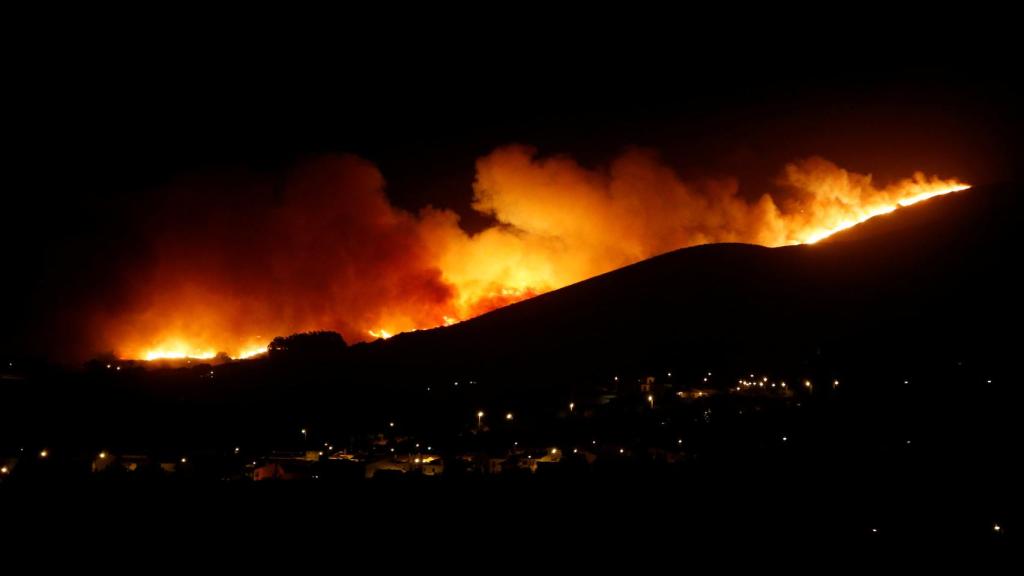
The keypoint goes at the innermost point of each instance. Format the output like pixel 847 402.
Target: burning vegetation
pixel 324 248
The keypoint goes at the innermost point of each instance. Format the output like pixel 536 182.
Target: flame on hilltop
pixel 327 250
pixel 866 213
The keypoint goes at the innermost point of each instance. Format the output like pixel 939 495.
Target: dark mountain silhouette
pixel 916 289
pixel 935 278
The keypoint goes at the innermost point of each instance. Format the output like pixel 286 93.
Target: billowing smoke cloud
pixel 325 249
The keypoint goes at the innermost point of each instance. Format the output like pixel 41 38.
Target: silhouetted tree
pixel 318 344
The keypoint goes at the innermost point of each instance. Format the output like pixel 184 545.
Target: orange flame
pixel 335 254
pixel 862 214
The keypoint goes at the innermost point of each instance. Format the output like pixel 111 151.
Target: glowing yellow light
pixel 3 470
pixel 251 352
pixel 869 213
pixel 381 333
pixel 508 416
pixel 43 454
pixel 103 455
pixel 183 460
pixel 177 353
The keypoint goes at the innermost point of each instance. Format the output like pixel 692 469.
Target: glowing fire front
pixel 335 254
pixel 865 213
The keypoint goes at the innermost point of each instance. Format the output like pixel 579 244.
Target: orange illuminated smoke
pixel 326 250
pixel 863 213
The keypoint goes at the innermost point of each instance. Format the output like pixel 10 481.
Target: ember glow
pixel 177 354
pixel 328 251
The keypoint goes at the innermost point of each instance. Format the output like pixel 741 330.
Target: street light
pixel 479 418
pixel 43 454
pixel 305 436
pixel 508 416
pixel 571 406
pixel 650 398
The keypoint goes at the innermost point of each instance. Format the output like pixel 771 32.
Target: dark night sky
pixel 97 122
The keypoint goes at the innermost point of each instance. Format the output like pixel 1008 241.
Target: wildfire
pixel 180 350
pixel 176 350
pixel 332 253
pixel 252 352
pixel 151 355
pixel 868 213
